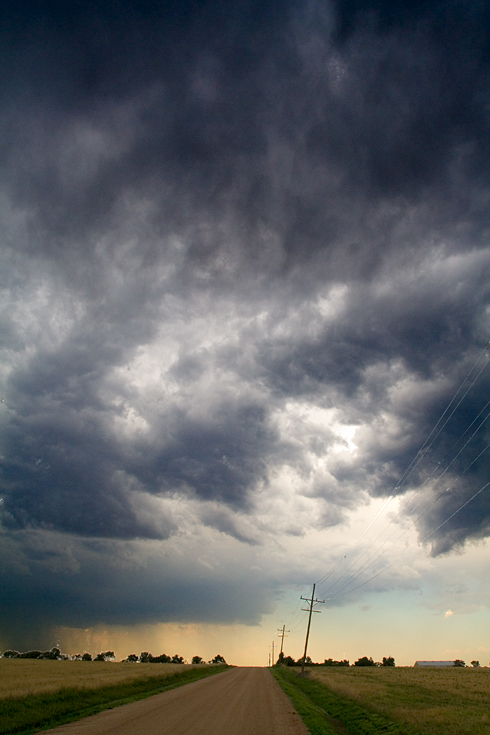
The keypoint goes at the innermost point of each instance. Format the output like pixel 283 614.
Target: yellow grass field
pixel 432 700
pixel 19 677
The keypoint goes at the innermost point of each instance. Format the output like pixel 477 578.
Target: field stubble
pixel 452 701
pixel 20 677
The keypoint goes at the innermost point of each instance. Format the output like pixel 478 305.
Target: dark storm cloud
pixel 211 212
pixel 54 580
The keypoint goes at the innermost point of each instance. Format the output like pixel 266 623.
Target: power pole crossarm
pixel 309 610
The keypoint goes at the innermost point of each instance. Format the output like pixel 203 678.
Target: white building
pixel 434 663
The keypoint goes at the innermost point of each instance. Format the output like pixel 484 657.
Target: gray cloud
pixel 68 581
pixel 216 221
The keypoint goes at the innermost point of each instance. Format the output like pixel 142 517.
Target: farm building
pixel 434 663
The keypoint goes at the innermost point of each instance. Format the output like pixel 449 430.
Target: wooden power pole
pixel 282 635
pixel 310 611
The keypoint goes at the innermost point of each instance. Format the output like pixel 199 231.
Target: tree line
pixel 55 654
pixel 363 661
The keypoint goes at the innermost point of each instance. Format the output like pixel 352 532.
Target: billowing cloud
pixel 244 269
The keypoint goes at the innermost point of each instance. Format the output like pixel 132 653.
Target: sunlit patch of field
pixel 450 701
pixel 19 677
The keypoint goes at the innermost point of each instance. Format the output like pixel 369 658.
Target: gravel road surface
pixel 241 701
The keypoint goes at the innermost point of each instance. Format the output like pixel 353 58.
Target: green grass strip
pixel 35 712
pixel 325 712
pixel 315 718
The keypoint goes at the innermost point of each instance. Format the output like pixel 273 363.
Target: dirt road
pixel 241 701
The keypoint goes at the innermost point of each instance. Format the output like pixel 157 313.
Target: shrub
pixel 332 662
pixel 132 658
pixel 106 656
pixel 54 654
pixel 31 654
pixel 364 661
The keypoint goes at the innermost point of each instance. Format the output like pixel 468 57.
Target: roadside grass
pixel 19 677
pixel 451 701
pixel 35 712
pixel 362 700
pixel 314 717
pixel 325 712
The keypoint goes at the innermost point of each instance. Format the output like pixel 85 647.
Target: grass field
pixel 56 692
pixel 19 677
pixel 364 700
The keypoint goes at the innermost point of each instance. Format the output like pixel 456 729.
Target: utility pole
pixel 310 610
pixel 282 635
pixel 273 659
pixel 269 660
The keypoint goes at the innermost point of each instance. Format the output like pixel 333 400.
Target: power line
pixel 426 445
pixel 413 509
pixel 411 546
pixel 370 561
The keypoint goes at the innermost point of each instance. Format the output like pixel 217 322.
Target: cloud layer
pixel 240 249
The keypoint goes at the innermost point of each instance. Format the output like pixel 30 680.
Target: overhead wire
pixel 382 571
pixel 380 552
pixel 405 506
pixel 420 454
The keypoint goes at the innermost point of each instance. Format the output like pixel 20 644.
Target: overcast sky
pixel 245 269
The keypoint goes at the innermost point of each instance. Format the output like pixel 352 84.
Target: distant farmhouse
pixel 434 663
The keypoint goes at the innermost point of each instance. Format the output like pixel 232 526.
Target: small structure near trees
pixel 435 663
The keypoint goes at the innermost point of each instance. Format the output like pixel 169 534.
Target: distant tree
pixel 145 657
pixel 459 662
pixel 176 659
pixel 31 654
pixel 364 661
pixel 76 657
pixel 218 659
pixel 475 664
pixel 86 657
pixel 388 661
pixel 11 654
pixel 289 661
pixel 54 654
pixel 131 659
pixel 106 656
pixel 332 662
pixel 162 659
pixel 197 660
